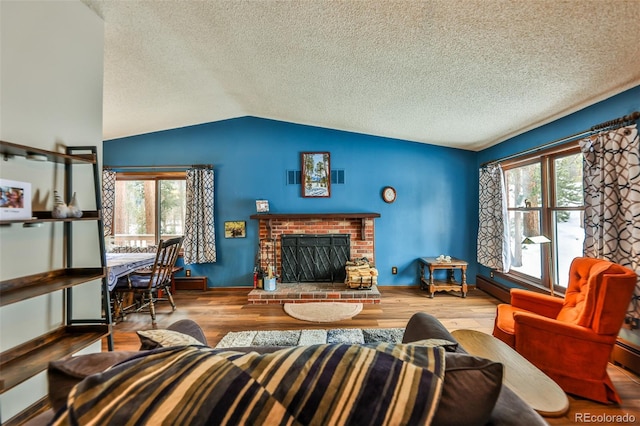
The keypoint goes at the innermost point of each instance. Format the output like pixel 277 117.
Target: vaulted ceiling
pixel 459 73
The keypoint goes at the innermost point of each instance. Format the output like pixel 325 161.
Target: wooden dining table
pixel 122 264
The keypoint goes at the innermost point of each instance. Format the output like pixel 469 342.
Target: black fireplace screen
pixel 314 258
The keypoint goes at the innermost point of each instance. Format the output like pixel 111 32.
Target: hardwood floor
pixel 223 310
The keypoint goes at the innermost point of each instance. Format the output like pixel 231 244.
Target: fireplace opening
pixel 314 258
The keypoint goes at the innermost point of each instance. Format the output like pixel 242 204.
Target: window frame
pixel 546 158
pixel 155 177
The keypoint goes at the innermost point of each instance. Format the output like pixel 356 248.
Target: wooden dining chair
pixel 146 284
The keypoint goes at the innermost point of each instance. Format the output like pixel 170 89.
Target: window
pixel 545 197
pixel 148 207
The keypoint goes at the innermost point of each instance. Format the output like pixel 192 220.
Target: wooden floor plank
pixel 220 311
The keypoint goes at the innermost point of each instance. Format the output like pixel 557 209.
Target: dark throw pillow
pixel 470 391
pixel 64 374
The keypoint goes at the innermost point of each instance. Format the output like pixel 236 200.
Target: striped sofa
pixel 416 382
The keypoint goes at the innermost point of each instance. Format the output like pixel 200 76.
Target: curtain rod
pixel 191 166
pixel 618 122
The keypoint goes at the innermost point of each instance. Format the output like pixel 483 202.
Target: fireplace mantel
pixel 268 217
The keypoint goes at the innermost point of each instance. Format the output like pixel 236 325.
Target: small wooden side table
pixel 432 263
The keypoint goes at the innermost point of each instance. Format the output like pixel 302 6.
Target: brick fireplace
pixel 360 228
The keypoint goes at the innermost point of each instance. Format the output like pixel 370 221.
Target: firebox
pixel 314 258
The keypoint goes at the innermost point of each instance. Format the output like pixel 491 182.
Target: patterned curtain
pixel 200 236
pixel 108 200
pixel 612 197
pixel 493 230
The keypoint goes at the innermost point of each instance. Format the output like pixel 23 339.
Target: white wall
pixel 51 73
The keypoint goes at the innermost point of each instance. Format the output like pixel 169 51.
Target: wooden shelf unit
pixel 9 150
pixel 22 362
pixel 26 360
pixel 22 288
pixel 43 217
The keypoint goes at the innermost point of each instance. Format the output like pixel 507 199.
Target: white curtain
pixel 493 228
pixel 108 200
pixel 199 237
pixel 611 164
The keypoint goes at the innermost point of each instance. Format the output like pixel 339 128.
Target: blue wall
pixel 609 109
pixel 435 212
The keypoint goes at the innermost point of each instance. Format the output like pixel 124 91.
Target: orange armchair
pixel 571 339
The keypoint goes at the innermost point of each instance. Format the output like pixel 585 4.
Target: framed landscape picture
pixel 235 229
pixel 315 174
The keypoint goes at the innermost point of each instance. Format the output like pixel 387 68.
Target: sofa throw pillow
pixel 190 327
pixel 318 384
pixel 448 345
pixel 471 388
pixel 152 339
pixel 64 374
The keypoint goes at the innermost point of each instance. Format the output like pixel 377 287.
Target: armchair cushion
pixel 541 304
pixel 618 284
pixel 580 298
pixel 505 326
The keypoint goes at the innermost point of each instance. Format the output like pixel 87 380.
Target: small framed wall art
pixel 316 174
pixel 235 229
pixel 15 200
pixel 262 206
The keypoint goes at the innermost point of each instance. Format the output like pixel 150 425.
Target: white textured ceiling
pixel 459 73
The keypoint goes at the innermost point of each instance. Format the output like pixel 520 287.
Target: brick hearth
pixel 313 292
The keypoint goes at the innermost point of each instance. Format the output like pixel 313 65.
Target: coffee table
pixel 521 376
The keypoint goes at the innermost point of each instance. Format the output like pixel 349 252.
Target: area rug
pixel 322 311
pixel 310 337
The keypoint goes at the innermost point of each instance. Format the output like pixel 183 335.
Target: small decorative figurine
pixel 74 208
pixel 60 209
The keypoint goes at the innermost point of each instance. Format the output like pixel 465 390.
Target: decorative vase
pixel 60 209
pixel 74 208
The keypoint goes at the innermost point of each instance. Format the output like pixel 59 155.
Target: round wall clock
pixel 388 194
